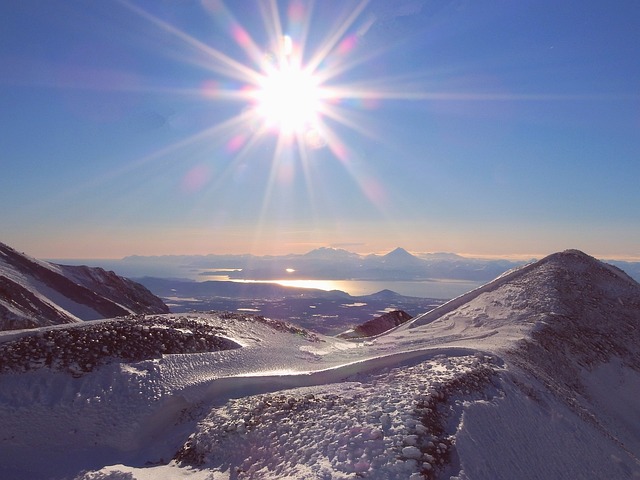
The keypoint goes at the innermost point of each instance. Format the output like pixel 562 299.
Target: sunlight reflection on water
pixel 442 288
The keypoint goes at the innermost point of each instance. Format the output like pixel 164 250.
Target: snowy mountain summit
pixel 534 375
pixel 34 293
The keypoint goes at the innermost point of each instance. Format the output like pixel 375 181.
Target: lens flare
pixel 289 99
pixel 294 93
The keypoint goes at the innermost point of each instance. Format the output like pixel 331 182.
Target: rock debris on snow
pixel 82 349
pixel 388 424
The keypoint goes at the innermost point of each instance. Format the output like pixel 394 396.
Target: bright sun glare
pixel 288 99
pixel 288 96
pixel 290 88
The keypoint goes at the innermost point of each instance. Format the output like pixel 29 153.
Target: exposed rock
pixel 378 325
pixel 82 348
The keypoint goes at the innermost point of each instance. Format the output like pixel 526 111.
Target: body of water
pixel 436 288
pixel 444 289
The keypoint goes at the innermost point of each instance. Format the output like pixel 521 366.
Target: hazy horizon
pixel 512 257
pixel 351 249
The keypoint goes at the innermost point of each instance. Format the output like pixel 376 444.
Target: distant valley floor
pixel 324 312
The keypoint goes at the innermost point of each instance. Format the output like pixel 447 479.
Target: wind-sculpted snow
pixel 395 423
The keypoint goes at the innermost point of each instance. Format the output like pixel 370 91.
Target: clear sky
pixel 177 127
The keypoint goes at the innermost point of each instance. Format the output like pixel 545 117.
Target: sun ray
pixel 343 116
pixel 299 24
pixel 286 95
pixel 221 14
pixel 306 164
pixel 130 168
pixel 272 180
pixel 272 24
pixel 223 63
pixel 336 35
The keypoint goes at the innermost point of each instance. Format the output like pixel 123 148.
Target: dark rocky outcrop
pixel 377 325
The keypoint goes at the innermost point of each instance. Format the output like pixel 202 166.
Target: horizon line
pixel 481 256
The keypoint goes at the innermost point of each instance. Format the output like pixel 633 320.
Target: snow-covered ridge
pixel 467 297
pixel 35 293
pixel 540 275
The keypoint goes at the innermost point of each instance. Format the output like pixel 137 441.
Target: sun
pixel 288 97
pixel 289 100
pixel 300 95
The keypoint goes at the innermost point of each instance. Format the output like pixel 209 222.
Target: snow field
pixel 534 435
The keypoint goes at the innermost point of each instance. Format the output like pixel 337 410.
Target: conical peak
pixel 595 317
pixel 570 255
pixel 560 283
pixel 577 263
pixel 399 252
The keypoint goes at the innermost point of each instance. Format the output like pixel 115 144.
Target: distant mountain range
pixel 398 264
pixel 319 264
pixel 34 293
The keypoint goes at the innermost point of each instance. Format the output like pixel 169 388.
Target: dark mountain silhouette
pixel 400 256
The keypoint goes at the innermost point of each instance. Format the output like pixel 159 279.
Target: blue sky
pixel 490 128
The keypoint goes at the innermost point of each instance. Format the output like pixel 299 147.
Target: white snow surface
pixel 460 392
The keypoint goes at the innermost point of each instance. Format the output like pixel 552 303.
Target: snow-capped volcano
pixel 34 293
pixel 534 375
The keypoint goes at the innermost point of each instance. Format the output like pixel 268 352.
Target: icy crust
pixel 527 432
pixel 81 349
pixel 394 423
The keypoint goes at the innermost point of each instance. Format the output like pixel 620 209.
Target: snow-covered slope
pixel 535 375
pixel 34 293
